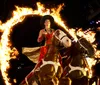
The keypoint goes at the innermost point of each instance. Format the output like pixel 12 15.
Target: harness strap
pixel 63 37
pixel 26 81
pixel 55 64
pixel 73 68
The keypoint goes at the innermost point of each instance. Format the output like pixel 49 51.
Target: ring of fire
pixel 18 16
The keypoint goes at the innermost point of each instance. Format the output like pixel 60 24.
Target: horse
pixel 75 62
pixel 50 70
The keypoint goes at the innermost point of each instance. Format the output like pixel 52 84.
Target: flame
pixel 14 80
pixel 88 35
pixel 91 62
pixel 18 16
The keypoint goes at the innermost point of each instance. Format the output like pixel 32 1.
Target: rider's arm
pixel 40 36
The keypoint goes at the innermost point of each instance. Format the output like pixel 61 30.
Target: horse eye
pixel 67 40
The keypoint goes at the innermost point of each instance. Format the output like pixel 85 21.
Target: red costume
pixel 48 41
pixel 44 49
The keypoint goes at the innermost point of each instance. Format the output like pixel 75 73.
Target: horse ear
pixel 57 33
pixel 55 40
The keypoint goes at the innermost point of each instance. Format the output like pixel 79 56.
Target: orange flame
pixel 88 35
pixel 18 16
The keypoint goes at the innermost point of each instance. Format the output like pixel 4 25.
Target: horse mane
pixel 54 48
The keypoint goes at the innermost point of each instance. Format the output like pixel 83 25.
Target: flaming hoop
pixel 18 16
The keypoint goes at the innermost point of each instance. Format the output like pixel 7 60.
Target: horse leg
pixel 80 81
pixel 47 74
pixel 65 81
pixel 85 80
pixel 59 72
pixel 34 80
pixel 76 82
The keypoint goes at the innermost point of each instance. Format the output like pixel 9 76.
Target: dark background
pixel 77 13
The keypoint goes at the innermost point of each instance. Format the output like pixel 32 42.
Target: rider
pixel 46 33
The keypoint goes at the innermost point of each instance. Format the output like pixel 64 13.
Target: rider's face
pixel 47 23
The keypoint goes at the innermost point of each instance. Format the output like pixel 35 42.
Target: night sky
pixel 73 11
pixel 25 34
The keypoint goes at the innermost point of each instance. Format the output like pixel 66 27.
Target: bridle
pixel 59 39
pixel 62 37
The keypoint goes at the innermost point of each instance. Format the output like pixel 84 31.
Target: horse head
pixel 86 47
pixel 61 39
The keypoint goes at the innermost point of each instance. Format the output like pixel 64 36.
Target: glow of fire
pixel 91 62
pixel 18 16
pixel 88 35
